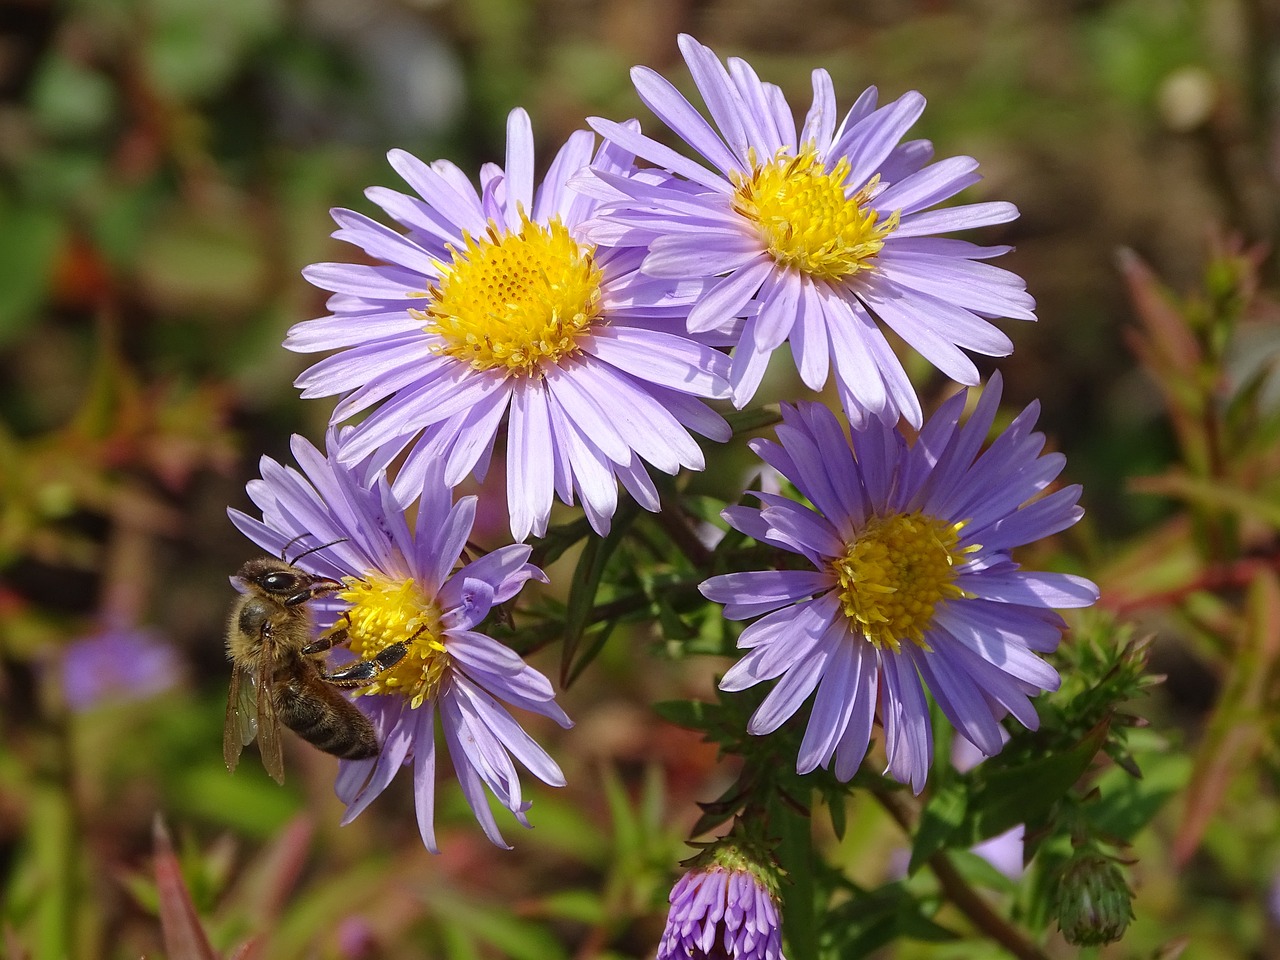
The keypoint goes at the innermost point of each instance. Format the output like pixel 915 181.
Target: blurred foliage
pixel 165 171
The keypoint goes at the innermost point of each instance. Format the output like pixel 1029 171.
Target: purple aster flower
pixel 813 233
pixel 719 913
pixel 492 313
pixel 911 583
pixel 412 585
pixel 118 664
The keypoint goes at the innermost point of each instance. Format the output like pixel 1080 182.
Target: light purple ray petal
pixel 670 106
pixel 962 703
pixel 931 185
pixel 529 464
pixel 728 298
pixel 332 333
pixel 582 408
pixel 780 293
pixel 592 468
pixel 967 283
pixel 863 688
pixel 809 345
pixel 455 390
pixel 519 167
pixel 702 253
pixel 1058 590
pixel 668 359
pixel 909 319
pixel 511 735
pixel 950 219
pixel 851 332
pixel 820 121
pixel 727 110
pixel 750 362
pixel 396 744
pixel 382 243
pixel 428 227
pixel 444 188
pixel 804 531
pixel 758 117
pixel 778 641
pixel 1008 653
pixel 424 775
pixel 793 689
pixel 377 282
pixel 751 592
pixel 468 777
pixel 552 197
pixel 657 154
pixel 833 706
pixel 649 428
pixel 1038 520
pixel 870 141
pixel 908 737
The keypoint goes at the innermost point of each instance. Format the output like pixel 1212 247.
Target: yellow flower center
pixel 515 301
pixel 895 573
pixel 804 217
pixel 385 611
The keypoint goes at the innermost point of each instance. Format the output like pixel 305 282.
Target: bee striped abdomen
pixel 322 716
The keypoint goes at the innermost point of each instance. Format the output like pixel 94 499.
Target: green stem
pixel 960 894
pixel 795 856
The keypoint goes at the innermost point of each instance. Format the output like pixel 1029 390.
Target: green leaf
pixel 749 421
pixel 941 819
pixel 29 244
pixel 584 589
pixel 992 799
pixel 580 906
pixel 1125 805
pixel 1026 794
pixel 690 714
pixel 69 99
pixel 875 919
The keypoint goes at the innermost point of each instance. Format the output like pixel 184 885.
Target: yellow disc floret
pixel 513 302
pixel 895 573
pixel 805 218
pixel 385 611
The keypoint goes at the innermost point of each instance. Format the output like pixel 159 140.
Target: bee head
pixel 284 582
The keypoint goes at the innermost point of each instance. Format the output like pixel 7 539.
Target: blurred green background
pixel 166 170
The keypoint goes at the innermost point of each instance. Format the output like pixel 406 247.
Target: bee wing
pixel 269 744
pixel 241 723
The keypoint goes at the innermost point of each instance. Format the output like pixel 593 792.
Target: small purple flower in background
pixel 912 583
pixel 116 665
pixel 813 233
pixel 411 586
pixel 493 309
pixel 722 913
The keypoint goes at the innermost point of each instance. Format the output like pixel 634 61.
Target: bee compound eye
pixel 279 582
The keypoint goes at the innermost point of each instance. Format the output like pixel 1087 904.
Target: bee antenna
pixel 312 549
pixel 285 549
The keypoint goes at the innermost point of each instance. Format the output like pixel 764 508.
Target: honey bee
pixel 278 670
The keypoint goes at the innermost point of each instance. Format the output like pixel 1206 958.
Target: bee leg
pixel 364 672
pixel 323 643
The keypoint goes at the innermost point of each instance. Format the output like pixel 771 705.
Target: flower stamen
pixel 386 611
pixel 515 301
pixel 895 573
pixel 804 217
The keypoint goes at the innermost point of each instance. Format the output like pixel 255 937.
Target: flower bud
pixel 724 907
pixel 1093 901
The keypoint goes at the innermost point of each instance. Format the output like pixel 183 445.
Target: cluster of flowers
pixel 589 319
